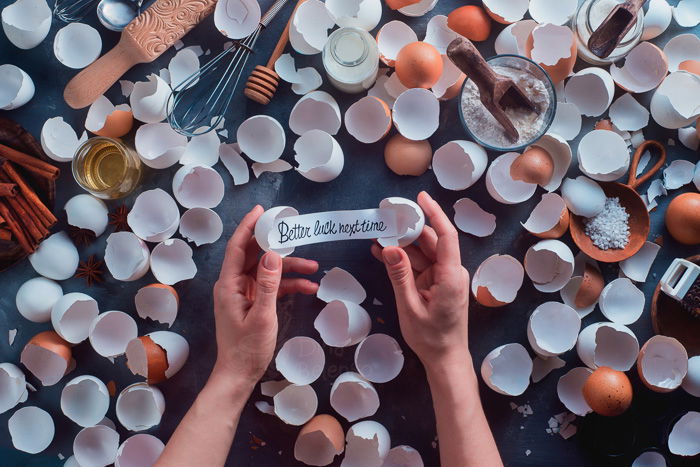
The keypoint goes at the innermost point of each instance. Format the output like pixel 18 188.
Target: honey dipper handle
pixel 284 39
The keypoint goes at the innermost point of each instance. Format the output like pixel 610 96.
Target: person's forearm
pixel 464 435
pixel 205 434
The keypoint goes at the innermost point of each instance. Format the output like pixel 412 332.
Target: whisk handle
pixel 272 12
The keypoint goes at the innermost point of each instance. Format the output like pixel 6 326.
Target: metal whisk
pixel 198 104
pixel 70 11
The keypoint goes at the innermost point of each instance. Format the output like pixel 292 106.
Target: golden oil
pixel 106 168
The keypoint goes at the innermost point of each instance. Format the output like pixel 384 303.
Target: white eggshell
pixel 502 275
pixel 627 114
pixel 568 296
pixel 158 302
pixel 308 32
pixel 317 110
pixel 342 323
pixel 378 358
pixel 391 38
pixel 368 119
pixel 140 407
pixel 410 219
pixel 645 68
pixel 56 257
pixel 176 349
pixel 691 382
pixel 621 301
pixel 676 103
pixel 416 114
pixel 591 90
pixel 559 13
pixel 59 141
pixel 319 155
pixel 12 386
pixel 300 360
pixel 687 13
pixel 512 39
pixel 85 400
pixel 184 68
pixel 265 224
pixel 77 45
pixel 261 138
pixel 583 196
pixel 637 266
pixel 87 212
pixel 353 397
pixel 678 173
pixel 570 390
pixel 110 332
pixel 36 297
pixel 438 34
pixel 16 87
pixel 155 216
pixel 472 219
pixel 450 76
pixel 553 329
pixel 26 22
pixel 603 155
pixel 31 429
pixel 567 121
pixel 507 369
pixel 277 166
pixel 363 14
pixel 198 186
pixel 171 262
pixel 607 344
pixel 403 456
pixel 96 446
pixel 368 443
pixel 126 256
pixel 684 436
pixel 201 226
pixel 656 19
pixel 662 363
pixel 295 404
pixel 48 367
pixel 561 155
pixel 202 150
pixel 237 19
pixel 141 450
pixel 149 99
pixel 158 145
pixel 338 284
pixel 230 156
pixel 459 164
pixel 509 11
pixel 501 185
pixel 546 215
pixel 72 316
pixel 549 264
pixel 418 9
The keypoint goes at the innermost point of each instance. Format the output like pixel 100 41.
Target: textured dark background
pixel 406 408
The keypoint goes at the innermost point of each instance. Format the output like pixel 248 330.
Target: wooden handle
pixel 633 181
pixel 468 59
pixel 284 39
pixel 614 28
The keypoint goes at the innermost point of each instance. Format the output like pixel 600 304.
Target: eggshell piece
pixel 656 19
pixel 621 301
pixel 126 256
pixel 77 45
pixel 592 285
pixel 603 155
pixel 419 8
pixel 87 212
pixel 689 137
pixel 553 328
pixel 141 450
pixel 378 358
pixel 678 173
pixel 501 185
pixel 645 68
pixel 26 22
pixel 59 141
pixel 497 280
pixel 12 386
pixel 554 49
pixel 140 407
pixel 96 446
pixel 296 404
pixel 183 69
pixel 507 369
pixel 368 119
pixel 198 186
pixel 403 456
pixel 353 397
pixel 534 165
pixel 342 323
pixel 237 19
pixel 300 360
pixel 47 357
pixel 16 86
pixel 368 443
pixel 391 38
pixel 110 333
pixel 36 297
pixel 650 459
pixel 512 39
pixel 691 66
pixel 406 157
pixel 591 90
pixel 201 226
pixel 459 164
pixel 363 14
pixel 439 34
pixel 470 21
pixel 267 221
pixel 472 219
pixel 338 284
pixel 687 13
pixel 72 315
pixel 319 441
pixel 583 196
pixel 261 138
pixel 549 264
pixel 541 367
pixel 171 262
pixel 637 266
pixel 560 152
pixel 570 390
pixel 174 348
pixel 607 344
pixel 416 114
pixel 628 115
pixel 85 400
pixel 558 13
pixel 690 384
pixel 506 11
pixel 675 102
pixel 159 146
pixel 202 150
pixel 683 439
pixel 410 219
pixel 549 219
pixel 308 32
pixel 317 110
pixel 31 429
pixel 104 119
pixel 567 121
pixel 418 65
pixel 158 302
pixel 608 392
pixel 319 155
pixel 149 99
pixel 56 257
pixel 449 85
pixel 662 363
pixel 155 216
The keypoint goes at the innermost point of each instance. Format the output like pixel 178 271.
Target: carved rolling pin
pixel 149 35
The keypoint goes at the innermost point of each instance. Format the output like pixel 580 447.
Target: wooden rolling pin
pixel 149 35
pixel 263 81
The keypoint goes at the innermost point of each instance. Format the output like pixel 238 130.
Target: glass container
pixel 106 168
pixel 351 60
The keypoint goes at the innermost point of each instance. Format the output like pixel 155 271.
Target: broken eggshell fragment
pixel 368 443
pixel 603 155
pixel 554 49
pixel 662 363
pixel 300 360
pixel 319 155
pixel 12 386
pixel 85 400
pixel 72 315
pixel 261 138
pixel 583 196
pixel 201 226
pixel 683 439
pixel 319 441
pixel 139 450
pixel 36 297
pixel 266 223
pixel 47 356
pixel 140 407
pixel 506 11
pixel 87 212
pixel 171 262
pixel 158 302
pixel 338 284
pixel 378 358
pixel 317 110
pixel 159 146
pixel 591 90
pixel 16 86
pixel 59 141
pixel 77 45
pixel 126 256
pixel 621 301
pixel 342 323
pixel 31 429
pixel 416 114
pixel 507 369
pixel 198 186
pixel 570 390
pixel 368 119
pixel 607 344
pixel 96 446
pixel 157 355
pixel 497 280
pixel 549 219
pixel 295 404
pixel 110 333
pixel 549 264
pixel 56 257
pixel 26 22
pixel 237 19
pixel 676 102
pixel 553 328
pixel 501 185
pixel 353 397
pixel 459 164
pixel 105 119
pixel 472 219
pixel 645 68
pixel 391 38
pixel 410 220
pixel 363 14
pixel 155 216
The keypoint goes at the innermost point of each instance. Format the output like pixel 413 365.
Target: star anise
pixel 90 270
pixel 81 237
pixel 118 219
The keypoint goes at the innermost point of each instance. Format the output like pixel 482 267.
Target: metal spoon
pixel 116 14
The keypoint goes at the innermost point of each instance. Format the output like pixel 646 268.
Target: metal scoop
pixel 496 92
pixel 614 28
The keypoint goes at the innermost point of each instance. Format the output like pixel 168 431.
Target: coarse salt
pixel 610 228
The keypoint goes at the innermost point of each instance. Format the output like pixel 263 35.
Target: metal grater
pixel 681 281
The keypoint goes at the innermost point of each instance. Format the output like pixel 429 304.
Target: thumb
pixel 398 266
pixel 269 276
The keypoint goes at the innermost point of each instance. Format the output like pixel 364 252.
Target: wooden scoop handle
pixel 633 182
pixel 614 28
pixel 467 58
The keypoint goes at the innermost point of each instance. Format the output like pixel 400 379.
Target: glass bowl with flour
pixel 484 128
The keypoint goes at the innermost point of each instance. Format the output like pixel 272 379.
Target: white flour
pixel 529 124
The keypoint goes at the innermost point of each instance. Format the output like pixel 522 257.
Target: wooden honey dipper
pixel 263 81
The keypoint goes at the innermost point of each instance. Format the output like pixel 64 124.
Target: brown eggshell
pixel 50 340
pixel 560 70
pixel 495 17
pixel 533 166
pixel 454 90
pixel 117 124
pixel 604 124
pixel 111 388
pixel 691 66
pixel 558 230
pixel 396 4
pixel 329 426
pixel 157 360
pixel 608 392
pixel 591 287
pixel 470 21
pixel 683 218
pixel 419 65
pixel 406 157
pixel 484 297
pixel 168 288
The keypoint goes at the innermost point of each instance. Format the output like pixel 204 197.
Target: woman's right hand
pixel 432 291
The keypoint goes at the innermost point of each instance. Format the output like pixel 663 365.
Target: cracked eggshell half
pixel 549 219
pixel 87 212
pixel 47 356
pixel 158 302
pixel 583 196
pixel 110 333
pixel 656 19
pixel 391 38
pixel 198 186
pixel 567 121
pixel 26 22
pixel 628 115
pixel 607 344
pixel 500 183
pixel 85 400
pixel 449 85
pixel 506 11
pixel 300 360
pixel 237 19
pixel 171 262
pixel 308 31
pixel 36 297
pixel 553 329
pixel 59 141
pixel 139 450
pixel 126 256
pixel 159 146
pixel 230 156
pixel 570 390
pixel 368 443
pixel 378 358
pixel 266 223
pixel 363 14
pixel 512 39
pixel 155 216
pixel 691 382
pixel 342 323
pixel 472 219
pixel 149 99
pixel 319 441
pixel 201 226
pixel 603 155
pixel 676 102
pixel 621 301
pixel 684 436
pixel 12 386
pixel 72 315
pixel 645 68
pixel 368 120
pixel 403 456
pixel 681 48
pixel 410 219
pixel 295 404
pixel 77 45
pixel 31 429
pixel 569 294
pixel 591 90
pixel 416 114
pixel 560 154
pixel 261 138
pixel 439 35
pixel 140 407
pixel 662 363
pixel 338 284
pixel 202 150
pixel 157 355
pixel 16 87
pixel 353 397
pixel 56 257
pixel 559 13
pixel 459 164
pixel 105 119
pixel 549 264
pixel 319 155
pixel 507 369
pixel 497 280
pixel 554 49
pixel 317 110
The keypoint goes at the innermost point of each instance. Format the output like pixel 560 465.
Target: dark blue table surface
pixel 406 408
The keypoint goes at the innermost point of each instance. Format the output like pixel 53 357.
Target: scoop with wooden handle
pixel 614 28
pixel 263 80
pixel 149 35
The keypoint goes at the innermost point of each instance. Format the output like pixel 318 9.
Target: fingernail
pixel 392 256
pixel 272 261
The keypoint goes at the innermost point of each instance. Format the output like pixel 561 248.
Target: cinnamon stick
pixel 38 221
pixel 32 164
pixel 26 190
pixel 47 221
pixel 8 189
pixel 24 218
pixel 16 230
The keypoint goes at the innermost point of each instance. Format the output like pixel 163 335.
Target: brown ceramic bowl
pixel 14 136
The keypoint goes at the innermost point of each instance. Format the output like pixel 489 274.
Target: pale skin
pixel 432 301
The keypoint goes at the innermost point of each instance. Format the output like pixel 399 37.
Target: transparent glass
pixel 589 16
pixel 522 63
pixel 351 60
pixel 106 168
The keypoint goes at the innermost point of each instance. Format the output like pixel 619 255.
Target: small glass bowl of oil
pixel 106 168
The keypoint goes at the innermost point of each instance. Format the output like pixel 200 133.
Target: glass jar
pixel 106 168
pixel 589 17
pixel 351 60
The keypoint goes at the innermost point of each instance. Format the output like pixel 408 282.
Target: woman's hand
pixel 245 302
pixel 432 290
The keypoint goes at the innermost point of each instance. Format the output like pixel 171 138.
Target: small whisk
pixel 198 105
pixel 70 11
